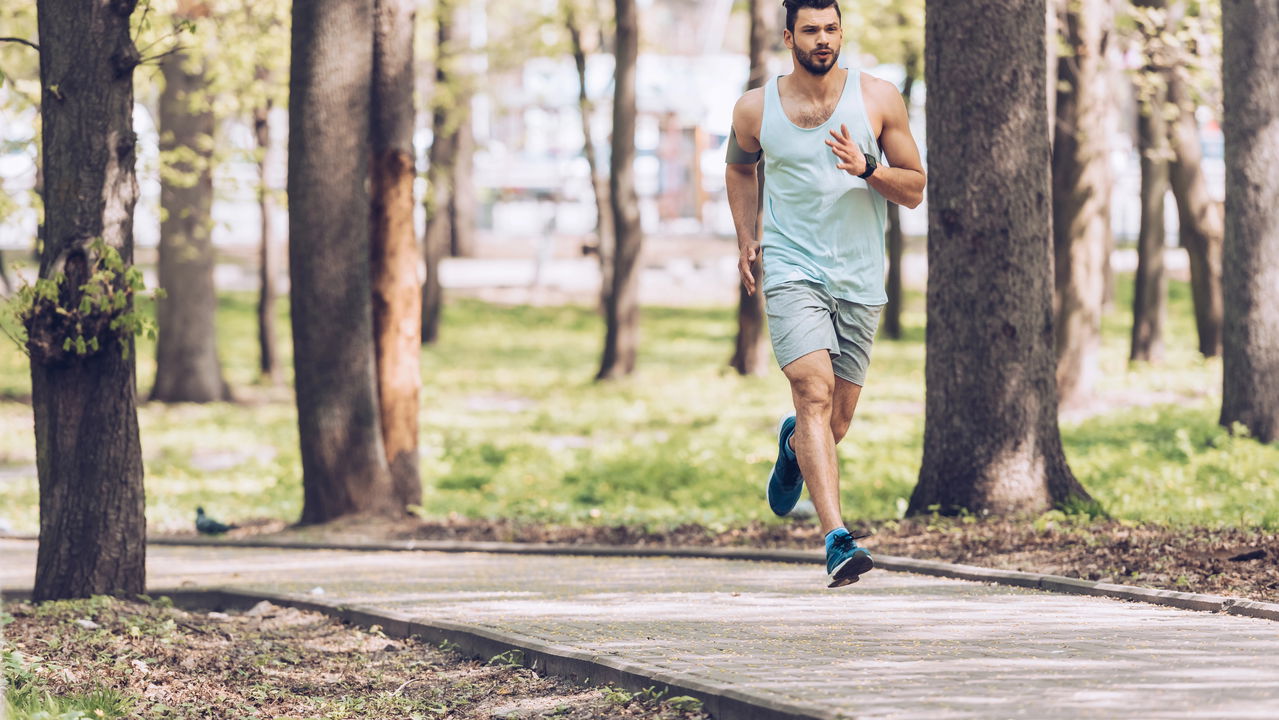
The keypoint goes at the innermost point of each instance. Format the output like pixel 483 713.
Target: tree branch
pixel 21 41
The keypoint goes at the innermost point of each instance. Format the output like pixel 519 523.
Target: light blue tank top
pixel 820 223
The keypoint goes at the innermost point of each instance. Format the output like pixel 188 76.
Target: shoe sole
pixel 851 570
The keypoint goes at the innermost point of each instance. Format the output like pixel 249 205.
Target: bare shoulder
pixel 748 113
pixel 884 96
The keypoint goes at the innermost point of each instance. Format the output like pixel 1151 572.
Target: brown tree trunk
pixel 268 363
pixel 462 206
pixel 1201 223
pixel 438 235
pixel 896 237
pixel 1250 394
pixel 621 342
pixel 344 468
pixel 750 353
pixel 603 209
pixel 187 368
pixel 1081 197
pixel 1149 302
pixel 88 453
pixel 991 441
pixel 397 309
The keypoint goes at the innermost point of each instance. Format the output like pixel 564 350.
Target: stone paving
pixel 891 646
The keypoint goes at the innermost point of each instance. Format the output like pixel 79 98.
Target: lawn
pixel 513 426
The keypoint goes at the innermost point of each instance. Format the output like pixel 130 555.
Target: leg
pixel 812 381
pixel 846 396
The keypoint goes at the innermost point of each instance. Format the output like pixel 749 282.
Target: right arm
pixel 742 183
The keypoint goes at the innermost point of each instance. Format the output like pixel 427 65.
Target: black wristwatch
pixel 871 165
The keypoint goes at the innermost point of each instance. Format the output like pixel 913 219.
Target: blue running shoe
pixel 786 483
pixel 845 559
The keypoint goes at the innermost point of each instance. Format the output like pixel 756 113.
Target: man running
pixel 824 132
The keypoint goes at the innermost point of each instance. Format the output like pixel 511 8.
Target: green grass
pixel 513 426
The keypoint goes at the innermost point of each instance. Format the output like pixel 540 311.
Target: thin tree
pixel 750 354
pixel 344 469
pixel 268 263
pixel 1149 303
pixel 1250 395
pixel 187 368
pixel 396 295
pixel 991 441
pixel 446 115
pixel 599 184
pixel 1200 221
pixel 896 237
pixel 621 341
pixel 1081 195
pixel 88 453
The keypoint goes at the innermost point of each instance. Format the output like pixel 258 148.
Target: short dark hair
pixel 793 8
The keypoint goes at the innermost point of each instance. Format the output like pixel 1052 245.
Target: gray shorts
pixel 803 318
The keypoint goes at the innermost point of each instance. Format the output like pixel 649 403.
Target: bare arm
pixel 742 182
pixel 902 183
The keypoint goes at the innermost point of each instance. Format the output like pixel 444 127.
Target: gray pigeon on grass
pixel 206 525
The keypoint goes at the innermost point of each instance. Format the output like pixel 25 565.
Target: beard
pixel 814 65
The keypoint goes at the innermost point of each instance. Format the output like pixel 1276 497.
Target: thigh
pixel 801 321
pixel 855 326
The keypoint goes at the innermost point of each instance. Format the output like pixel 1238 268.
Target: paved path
pixel 892 646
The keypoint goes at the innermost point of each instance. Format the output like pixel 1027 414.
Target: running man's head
pixel 814 33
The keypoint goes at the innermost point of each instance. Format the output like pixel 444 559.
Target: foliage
pixel 1183 39
pixel 58 323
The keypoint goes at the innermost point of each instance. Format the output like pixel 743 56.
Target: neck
pixel 806 83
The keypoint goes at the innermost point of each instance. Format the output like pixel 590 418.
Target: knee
pixel 814 395
pixel 839 426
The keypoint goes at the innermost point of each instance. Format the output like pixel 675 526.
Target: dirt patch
pixel 150 660
pixel 1236 562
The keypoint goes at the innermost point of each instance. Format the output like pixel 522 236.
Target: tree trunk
pixel 268 363
pixel 186 364
pixel 1250 394
pixel 896 237
pixel 462 205
pixel 88 453
pixel 344 468
pixel 1081 197
pixel 1149 302
pixel 603 209
pixel 438 236
pixel 991 442
pixel 621 342
pixel 397 309
pixel 1201 223
pixel 750 353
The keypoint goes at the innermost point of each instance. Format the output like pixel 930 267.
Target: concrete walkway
pixel 894 645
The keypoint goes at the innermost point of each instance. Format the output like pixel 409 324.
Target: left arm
pixel 903 182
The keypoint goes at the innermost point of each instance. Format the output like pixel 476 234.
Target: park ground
pixel 519 443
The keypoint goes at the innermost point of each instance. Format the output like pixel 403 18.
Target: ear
pixel 788 39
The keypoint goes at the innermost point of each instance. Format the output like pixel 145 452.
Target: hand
pixel 746 266
pixel 852 159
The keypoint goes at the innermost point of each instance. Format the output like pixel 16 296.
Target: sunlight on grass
pixel 513 426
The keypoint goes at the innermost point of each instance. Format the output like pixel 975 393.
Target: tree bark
pixel 896 237
pixel 187 365
pixel 397 298
pixel 88 453
pixel 1081 197
pixel 1250 394
pixel 750 353
pixel 445 119
pixel 268 264
pixel 1149 302
pixel 621 342
pixel 1201 225
pixel 344 468
pixel 462 207
pixel 599 184
pixel 991 442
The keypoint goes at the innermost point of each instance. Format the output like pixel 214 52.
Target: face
pixel 817 38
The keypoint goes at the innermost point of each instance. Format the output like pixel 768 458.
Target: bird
pixel 206 525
